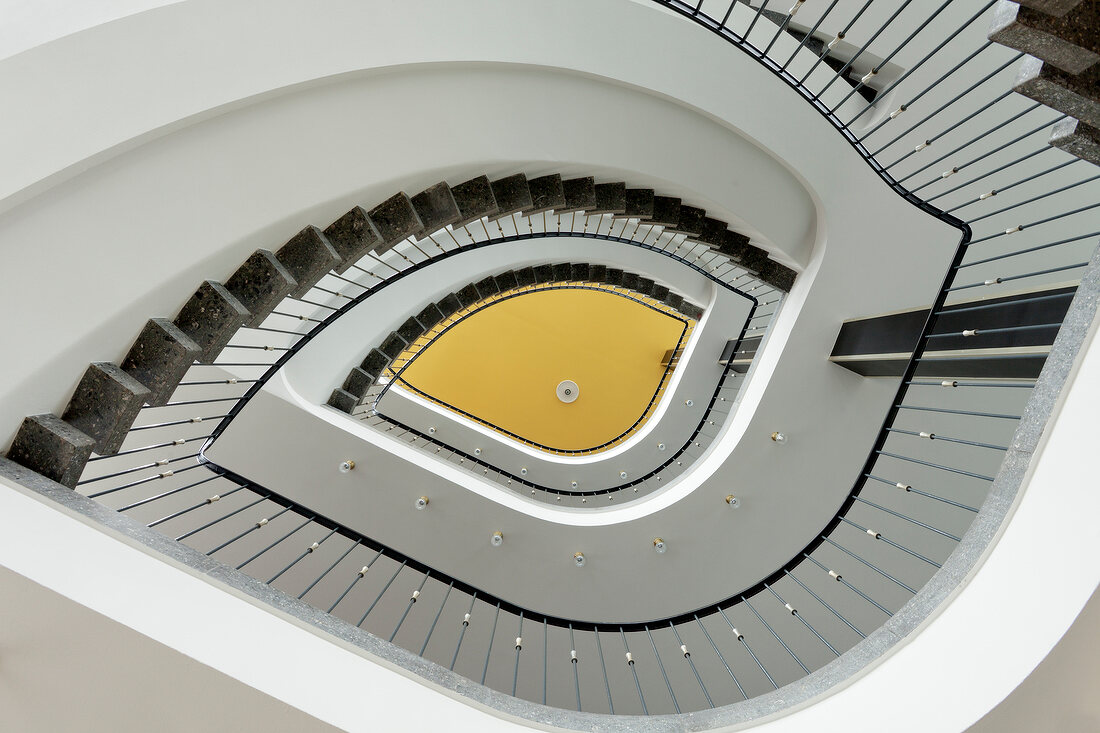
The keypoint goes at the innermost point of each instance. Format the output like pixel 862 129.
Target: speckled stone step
pixel 374 364
pixel 1052 7
pixel 666 211
pixel 597 273
pixel 645 286
pixel 260 284
pixel 48 445
pixel 410 330
pixel 580 194
pixel 308 256
pixel 639 204
pixel 352 236
pixel 614 276
pixel 578 272
pixel 357 383
pixel 1070 43
pixel 104 406
pixel 544 274
pixel 1077 138
pixel 396 220
pixel 778 276
pixel 691 310
pixel 525 276
pixel 343 401
pixel 673 300
pixel 486 287
pixel 610 198
pixel 629 280
pixel 712 234
pixel 159 358
pixel 436 208
pixel 737 248
pixel 1077 95
pixel 210 318
pixel 659 292
pixel 561 272
pixel 429 315
pixel 468 295
pixel 475 200
pixel 393 345
pixel 512 194
pixel 689 221
pixel 506 280
pixel 547 194
pixel 449 305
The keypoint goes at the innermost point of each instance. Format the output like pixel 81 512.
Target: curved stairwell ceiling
pixel 212 171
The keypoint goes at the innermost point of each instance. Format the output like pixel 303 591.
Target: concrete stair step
pixel 210 318
pixel 506 280
pixel 526 276
pixel 104 406
pixel 547 194
pixel 561 272
pixel 468 295
pixel 610 199
pixel 639 204
pixel 691 310
pixel 357 383
pixel 374 364
pixel 159 358
pixel 410 330
pixel 1077 95
pixel 512 194
pixel 580 194
pixel 1070 42
pixel 352 236
pixel 308 256
pixel 48 445
pixel 393 345
pixel 614 276
pixel 597 273
pixel 1077 138
pixel 578 272
pixel 260 284
pixel 396 220
pixel 666 211
pixel 475 200
pixel 689 221
pixel 429 315
pixel 436 207
pixel 449 305
pixel 343 401
pixel 486 287
pixel 1052 7
pixel 778 276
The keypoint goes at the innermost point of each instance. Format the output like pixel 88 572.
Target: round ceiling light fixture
pixel 422 502
pixel 780 438
pixel 578 559
pixel 567 391
pixel 496 539
pixel 733 501
pixel 660 546
pixel 347 466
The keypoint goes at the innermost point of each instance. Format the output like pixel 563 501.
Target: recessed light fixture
pixel 622 474
pixel 523 472
pixel 689 403
pixel 422 502
pixel 431 431
pixel 660 446
pixel 347 466
pixel 477 451
pixel 780 438
pixel 733 501
pixel 578 559
pixel 660 546
pixel 496 539
pixel 573 484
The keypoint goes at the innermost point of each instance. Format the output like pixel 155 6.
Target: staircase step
pixel 512 194
pixel 343 401
pixel 449 305
pixel 674 301
pixel 475 200
pixel 629 281
pixel 691 310
pixel 506 281
pixel 1052 7
pixel 645 286
pixel 639 204
pixel 486 287
pixel 713 233
pixel 1077 138
pixel 1070 42
pixel 578 272
pixel 610 199
pixel 436 208
pixel 260 284
pixel 737 248
pixel 689 221
pixel 393 345
pixel 547 194
pixel 159 358
pixel 468 295
pixel 104 406
pixel 666 211
pixel 429 316
pixel 410 330
pixel 597 273
pixel 525 277
pixel 580 194
pixel 374 364
pixel 1076 95
pixel 396 220
pixel 778 276
pixel 562 271
pixel 210 318
pixel 307 257
pixel 352 236
pixel 48 445
pixel 544 274
pixel 614 276
pixel 659 292
pixel 357 383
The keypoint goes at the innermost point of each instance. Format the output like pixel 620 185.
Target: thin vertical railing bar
pixel 721 657
pixel 411 603
pixel 222 518
pixel 875 535
pixel 840 35
pixel 171 492
pixel 949 439
pixel 809 35
pixel 874 567
pixel 1068 240
pixel 1040 197
pixel 968 413
pixel 298 559
pixel 777 637
pixel 329 569
pixel 147 479
pixel 910 489
pixel 687 656
pixel 603 666
pixel 492 637
pixel 847 66
pixel 820 600
pixel 798 616
pixel 276 542
pixel 661 666
pixel 630 663
pixel 135 469
pixel 840 579
pixel 573 662
pixel 938 466
pixel 462 633
pixel 158 446
pixel 997 191
pixel 908 519
pixel 519 648
pixel 382 592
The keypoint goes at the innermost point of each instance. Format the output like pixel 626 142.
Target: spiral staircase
pixel 876 225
